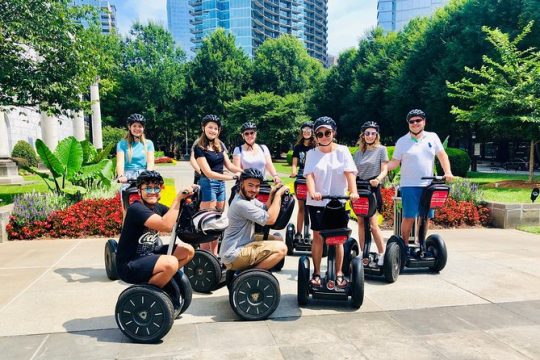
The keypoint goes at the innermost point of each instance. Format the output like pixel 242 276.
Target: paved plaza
pixel 57 303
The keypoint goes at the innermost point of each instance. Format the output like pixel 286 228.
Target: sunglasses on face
pixel 152 190
pixel 249 133
pixel 415 121
pixel 327 133
pixel 370 133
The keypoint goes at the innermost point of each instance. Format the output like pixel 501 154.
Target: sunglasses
pixel 320 134
pixel 152 190
pixel 369 133
pixel 249 133
pixel 415 121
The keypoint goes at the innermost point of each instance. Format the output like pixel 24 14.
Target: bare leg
pixel 316 252
pixel 339 259
pixel 212 245
pixel 273 259
pixel 184 253
pixel 361 234
pixel 406 227
pixel 377 234
pixel 300 218
pixel 164 270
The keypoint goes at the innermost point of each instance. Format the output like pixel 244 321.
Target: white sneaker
pixel 380 262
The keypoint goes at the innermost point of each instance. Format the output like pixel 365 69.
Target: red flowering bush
pixel 101 217
pixel 163 160
pixel 388 203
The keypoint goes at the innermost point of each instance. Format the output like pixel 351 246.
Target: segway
pixel 335 217
pixel 364 208
pixel 145 313
pixel 254 294
pixel 430 252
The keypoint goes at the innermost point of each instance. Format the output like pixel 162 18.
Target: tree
pixel 278 118
pixel 283 66
pixel 47 58
pixel 505 91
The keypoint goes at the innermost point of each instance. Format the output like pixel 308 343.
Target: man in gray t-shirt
pixel 239 249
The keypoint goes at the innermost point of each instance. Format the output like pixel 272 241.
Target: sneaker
pixel 380 262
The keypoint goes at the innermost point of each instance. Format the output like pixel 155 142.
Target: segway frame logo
pixel 438 198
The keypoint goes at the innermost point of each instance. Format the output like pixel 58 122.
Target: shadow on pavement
pixel 110 335
pixel 83 274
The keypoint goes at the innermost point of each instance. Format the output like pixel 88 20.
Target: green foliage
pixel 74 166
pixel 35 206
pixel 278 118
pixel 159 154
pixel 464 190
pixel 283 66
pixel 24 150
pixel 460 162
pixel 112 135
pixel 289 157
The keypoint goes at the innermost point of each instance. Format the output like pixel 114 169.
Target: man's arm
pixel 166 223
pixel 445 164
pixel 273 210
pixel 394 163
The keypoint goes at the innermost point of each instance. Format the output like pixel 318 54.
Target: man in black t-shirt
pixel 139 257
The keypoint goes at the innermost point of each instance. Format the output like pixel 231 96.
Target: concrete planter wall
pixel 508 216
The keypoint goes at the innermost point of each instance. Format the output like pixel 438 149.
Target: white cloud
pixel 129 11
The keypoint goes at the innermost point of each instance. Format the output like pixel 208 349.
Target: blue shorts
pixel 211 189
pixel 410 198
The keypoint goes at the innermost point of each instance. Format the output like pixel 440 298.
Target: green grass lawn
pixel 504 195
pixel 487 178
pixel 530 228
pixel 7 192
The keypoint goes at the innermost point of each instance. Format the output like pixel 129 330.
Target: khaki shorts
pixel 254 253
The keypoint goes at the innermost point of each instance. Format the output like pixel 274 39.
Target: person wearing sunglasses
pixel 371 161
pixel 140 258
pixel 415 152
pixel 329 170
pixel 251 155
pixel 212 158
pixel 304 143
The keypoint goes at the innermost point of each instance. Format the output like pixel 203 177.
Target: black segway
pixel 430 252
pixel 364 208
pixel 145 313
pixel 335 218
pixel 254 294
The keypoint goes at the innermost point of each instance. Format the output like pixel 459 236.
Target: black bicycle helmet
pixel 133 118
pixel 307 124
pixel 325 121
pixel 368 125
pixel 248 126
pixel 211 118
pixel 251 173
pixel 149 176
pixel 415 113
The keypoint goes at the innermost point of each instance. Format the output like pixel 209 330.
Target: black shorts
pixel 140 269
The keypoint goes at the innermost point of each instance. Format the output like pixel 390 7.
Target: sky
pixel 348 20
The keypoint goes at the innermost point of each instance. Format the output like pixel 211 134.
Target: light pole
pixel 473 139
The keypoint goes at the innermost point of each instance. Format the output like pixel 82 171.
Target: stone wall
pixel 508 216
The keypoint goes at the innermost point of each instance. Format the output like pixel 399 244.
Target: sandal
pixel 341 282
pixel 315 280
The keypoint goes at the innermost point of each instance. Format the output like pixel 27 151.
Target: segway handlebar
pixel 438 178
pixel 337 197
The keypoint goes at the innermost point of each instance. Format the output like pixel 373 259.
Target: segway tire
pixel 185 290
pixel 144 313
pixel 254 295
pixel 110 259
pixel 403 253
pixel 357 283
pixel 303 281
pixel 435 244
pixel 392 261
pixel 289 239
pixel 350 251
pixel 280 264
pixel 203 271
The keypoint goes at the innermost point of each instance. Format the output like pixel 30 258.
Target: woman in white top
pixel 329 170
pixel 252 155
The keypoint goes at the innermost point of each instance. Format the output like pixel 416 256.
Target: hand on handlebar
pixel 374 182
pixel 448 177
pixel 185 193
pixel 293 175
pixel 316 196
pixel 122 179
pixel 353 196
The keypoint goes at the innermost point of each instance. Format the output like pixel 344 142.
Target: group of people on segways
pixel 332 176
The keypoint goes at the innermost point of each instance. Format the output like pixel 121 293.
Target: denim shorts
pixel 211 189
pixel 410 198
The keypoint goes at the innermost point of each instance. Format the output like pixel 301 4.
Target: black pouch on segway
pixel 285 211
pixel 335 216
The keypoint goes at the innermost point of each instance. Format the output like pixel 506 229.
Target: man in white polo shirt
pixel 415 152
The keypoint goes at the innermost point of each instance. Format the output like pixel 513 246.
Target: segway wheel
pixel 303 281
pixel 280 264
pixel 110 259
pixel 351 250
pixel 392 261
pixel 144 313
pixel 254 295
pixel 435 244
pixel 185 290
pixel 403 254
pixel 203 271
pixel 357 283
pixel 289 239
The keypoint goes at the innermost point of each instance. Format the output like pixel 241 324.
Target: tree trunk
pixel 531 161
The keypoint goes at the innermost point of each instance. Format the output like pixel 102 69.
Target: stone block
pixel 530 216
pixel 513 218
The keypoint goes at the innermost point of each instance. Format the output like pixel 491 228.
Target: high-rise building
pixel 253 21
pixel 178 24
pixel 393 15
pixel 107 13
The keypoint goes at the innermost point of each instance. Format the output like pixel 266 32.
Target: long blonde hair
pixel 130 140
pixel 203 142
pixel 363 145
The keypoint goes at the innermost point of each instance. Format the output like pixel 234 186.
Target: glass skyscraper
pixel 178 24
pixel 253 21
pixel 393 15
pixel 107 14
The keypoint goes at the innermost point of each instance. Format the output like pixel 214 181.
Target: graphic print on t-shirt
pixel 147 242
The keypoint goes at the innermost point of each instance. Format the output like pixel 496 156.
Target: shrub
pixel 459 162
pixel 24 150
pixel 458 213
pixel 464 190
pixel 158 154
pixel 289 157
pixel 112 135
pixel 164 160
pixel 33 206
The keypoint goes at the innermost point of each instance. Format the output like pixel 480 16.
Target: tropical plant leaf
pixel 49 159
pixel 70 153
pixel 107 172
pixel 73 189
pixel 89 152
pixel 104 153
